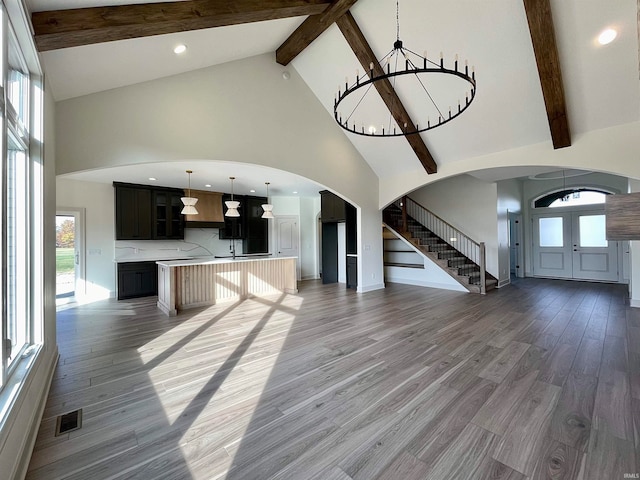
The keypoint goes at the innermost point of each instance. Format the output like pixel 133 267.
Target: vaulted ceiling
pixel 541 74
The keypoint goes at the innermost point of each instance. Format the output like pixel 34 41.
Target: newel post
pixel 404 214
pixel 483 269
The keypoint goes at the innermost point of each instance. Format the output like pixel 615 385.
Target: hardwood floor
pixel 537 380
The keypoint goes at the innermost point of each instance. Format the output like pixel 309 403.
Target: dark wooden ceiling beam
pixel 365 55
pixel 546 51
pixel 311 29
pixel 83 26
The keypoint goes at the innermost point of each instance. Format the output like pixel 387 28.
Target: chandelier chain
pixel 397 20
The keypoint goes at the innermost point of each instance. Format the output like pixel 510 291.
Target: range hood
pixel 210 213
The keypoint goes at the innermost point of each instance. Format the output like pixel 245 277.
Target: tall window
pixel 20 205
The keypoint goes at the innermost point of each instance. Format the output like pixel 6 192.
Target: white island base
pixel 184 284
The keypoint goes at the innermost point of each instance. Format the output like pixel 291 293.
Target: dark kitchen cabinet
pixel 133 212
pixel 352 272
pixel 351 229
pixel 329 253
pixel 256 228
pixel 332 207
pixel 144 212
pixel 335 210
pixel 137 279
pixel 168 222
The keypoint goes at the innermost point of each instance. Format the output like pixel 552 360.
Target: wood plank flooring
pixel 537 380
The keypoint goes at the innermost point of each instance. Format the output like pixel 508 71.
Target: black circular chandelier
pixel 444 92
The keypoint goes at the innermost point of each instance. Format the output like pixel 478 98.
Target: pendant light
pixel 267 207
pixel 189 201
pixel 232 206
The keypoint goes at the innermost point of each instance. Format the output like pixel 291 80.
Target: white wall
pixel 241 111
pixel 610 150
pixel 509 201
pixel 97 200
pixel 469 204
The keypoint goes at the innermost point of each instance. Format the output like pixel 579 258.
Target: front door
pixel 594 258
pixel 573 245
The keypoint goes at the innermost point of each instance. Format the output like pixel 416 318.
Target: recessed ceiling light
pixel 180 49
pixel 208 185
pixel 252 191
pixel 607 36
pixel 295 193
pixel 153 179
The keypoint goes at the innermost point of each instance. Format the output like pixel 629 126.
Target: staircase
pixel 465 268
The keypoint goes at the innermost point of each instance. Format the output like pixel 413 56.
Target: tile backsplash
pixel 198 242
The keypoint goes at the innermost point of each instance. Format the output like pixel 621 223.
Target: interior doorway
pixel 69 255
pixel 287 239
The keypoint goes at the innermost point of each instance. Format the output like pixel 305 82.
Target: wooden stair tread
pixel 403 265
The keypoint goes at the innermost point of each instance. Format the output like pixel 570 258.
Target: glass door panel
pixel 594 258
pixel 552 250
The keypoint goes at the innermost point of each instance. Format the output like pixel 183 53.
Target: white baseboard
pixel 635 303
pixel 370 288
pixel 504 283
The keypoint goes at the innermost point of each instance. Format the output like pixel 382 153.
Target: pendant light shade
pixel 189 202
pixel 267 207
pixel 232 206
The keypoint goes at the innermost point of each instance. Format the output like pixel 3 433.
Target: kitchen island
pixel 184 284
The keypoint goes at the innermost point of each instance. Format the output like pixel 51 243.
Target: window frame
pixel 25 127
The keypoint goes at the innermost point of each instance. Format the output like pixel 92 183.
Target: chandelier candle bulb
pixel 456 62
pixel 441 60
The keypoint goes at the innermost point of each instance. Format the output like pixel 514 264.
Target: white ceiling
pixel 205 172
pixel 601 82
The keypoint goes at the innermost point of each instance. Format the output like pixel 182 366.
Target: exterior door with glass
pixel 573 245
pixel 594 258
pixel 552 245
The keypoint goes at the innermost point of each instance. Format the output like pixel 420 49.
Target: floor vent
pixel 69 422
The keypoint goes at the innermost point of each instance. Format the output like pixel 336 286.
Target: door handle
pixel 77 258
